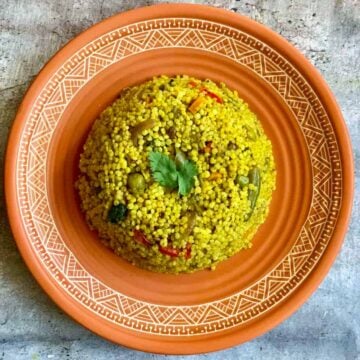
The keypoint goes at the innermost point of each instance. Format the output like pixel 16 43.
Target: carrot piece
pixel 215 176
pixel 196 104
pixel 208 146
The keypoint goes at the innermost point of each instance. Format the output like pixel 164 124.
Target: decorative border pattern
pixel 178 320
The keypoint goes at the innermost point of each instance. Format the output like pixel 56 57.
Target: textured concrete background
pixel 327 326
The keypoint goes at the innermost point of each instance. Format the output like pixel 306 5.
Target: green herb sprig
pixel 173 175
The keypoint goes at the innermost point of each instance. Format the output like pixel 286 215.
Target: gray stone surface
pixel 327 326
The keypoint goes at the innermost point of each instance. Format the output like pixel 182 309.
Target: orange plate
pixel 247 294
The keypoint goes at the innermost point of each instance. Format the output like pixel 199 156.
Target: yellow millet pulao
pixel 176 175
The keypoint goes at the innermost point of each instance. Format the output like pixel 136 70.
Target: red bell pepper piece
pixel 217 98
pixel 188 251
pixel 166 250
pixel 141 238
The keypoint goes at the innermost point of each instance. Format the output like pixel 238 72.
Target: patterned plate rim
pixel 121 41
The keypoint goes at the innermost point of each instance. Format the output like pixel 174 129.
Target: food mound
pixel 176 175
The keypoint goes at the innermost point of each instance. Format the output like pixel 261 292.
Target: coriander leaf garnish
pixel 186 172
pixel 163 170
pixel 171 175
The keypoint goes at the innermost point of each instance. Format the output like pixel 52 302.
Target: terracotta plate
pixel 246 295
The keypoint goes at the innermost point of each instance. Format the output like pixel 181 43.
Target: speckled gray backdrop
pixel 327 326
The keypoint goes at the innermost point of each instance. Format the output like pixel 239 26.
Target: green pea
pixel 136 183
pixel 251 133
pixel 242 181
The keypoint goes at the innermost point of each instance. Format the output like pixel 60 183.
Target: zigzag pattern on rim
pixel 179 320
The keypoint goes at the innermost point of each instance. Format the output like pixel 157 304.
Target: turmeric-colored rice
pixel 159 229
